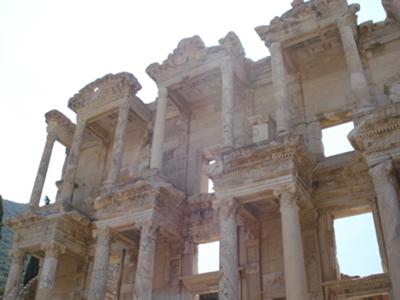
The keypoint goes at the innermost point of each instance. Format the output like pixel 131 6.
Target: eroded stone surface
pixel 133 203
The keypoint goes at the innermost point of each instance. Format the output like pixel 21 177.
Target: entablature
pixel 107 94
pixel 261 168
pixel 377 135
pixel 33 229
pixel 304 20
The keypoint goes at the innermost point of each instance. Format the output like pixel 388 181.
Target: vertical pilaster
pixel 14 275
pixel 159 129
pixel 98 278
pixel 143 289
pixel 388 203
pixel 227 105
pixel 118 145
pixel 358 81
pixel 49 270
pixel 67 187
pixel 327 246
pixel 229 284
pixel 42 171
pixel 279 82
pixel 189 266
pixel 293 253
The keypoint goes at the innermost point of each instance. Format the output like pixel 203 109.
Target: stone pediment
pixel 191 53
pixel 105 89
pixel 304 17
pixel 378 135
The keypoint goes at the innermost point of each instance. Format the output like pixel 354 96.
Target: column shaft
pixel 388 203
pixel 159 130
pixel 293 254
pixel 49 270
pixel 118 145
pixel 67 187
pixel 42 171
pixel 14 275
pixel 228 252
pixel 359 85
pixel 227 105
pixel 145 266
pixel 98 278
pixel 280 88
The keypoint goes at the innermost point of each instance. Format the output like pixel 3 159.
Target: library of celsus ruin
pixel 134 201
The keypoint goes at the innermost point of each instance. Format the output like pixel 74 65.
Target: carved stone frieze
pixel 104 89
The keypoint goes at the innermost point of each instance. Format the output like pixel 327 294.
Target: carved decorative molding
pixel 104 89
pixel 371 285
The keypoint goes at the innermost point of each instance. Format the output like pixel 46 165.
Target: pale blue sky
pixel 50 49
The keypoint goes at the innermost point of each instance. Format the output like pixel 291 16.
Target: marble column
pixel 386 188
pixel 14 275
pixel 280 87
pixel 358 81
pixel 67 188
pixel 159 129
pixel 118 145
pixel 293 253
pixel 143 288
pixel 42 171
pixel 98 278
pixel 227 105
pixel 229 283
pixel 49 270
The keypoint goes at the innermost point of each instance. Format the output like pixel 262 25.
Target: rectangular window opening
pixel 335 139
pixel 54 173
pixel 357 246
pixel 208 257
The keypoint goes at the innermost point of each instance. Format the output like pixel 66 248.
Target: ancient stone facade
pixel 133 205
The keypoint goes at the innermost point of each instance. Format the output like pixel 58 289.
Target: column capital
pixel 349 18
pixel 149 228
pixel 17 254
pixel 53 249
pixel 226 207
pixel 51 136
pixel 227 67
pixel 287 197
pixel 162 92
pixel 382 171
pixel 102 236
pixel 275 47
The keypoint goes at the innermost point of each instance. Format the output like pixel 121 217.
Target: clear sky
pixel 51 49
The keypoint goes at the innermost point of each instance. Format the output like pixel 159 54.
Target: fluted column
pixel 14 275
pixel 159 129
pixel 42 171
pixel 227 105
pixel 293 253
pixel 118 145
pixel 67 187
pixel 49 270
pixel 359 85
pixel 228 251
pixel 145 266
pixel 98 278
pixel 386 188
pixel 280 87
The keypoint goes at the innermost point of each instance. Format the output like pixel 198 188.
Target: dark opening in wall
pixel 213 296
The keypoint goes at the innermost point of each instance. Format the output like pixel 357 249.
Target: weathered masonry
pixel 133 204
